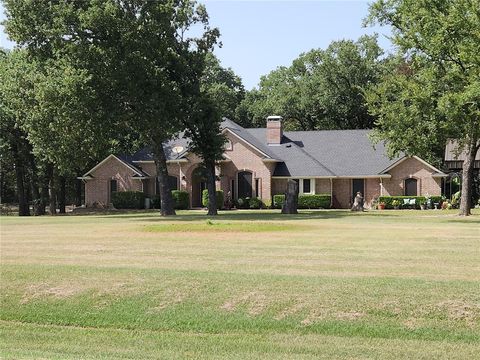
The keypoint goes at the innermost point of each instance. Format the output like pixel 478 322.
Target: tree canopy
pixel 434 92
pixel 322 89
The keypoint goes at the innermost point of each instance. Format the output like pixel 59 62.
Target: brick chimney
pixel 274 130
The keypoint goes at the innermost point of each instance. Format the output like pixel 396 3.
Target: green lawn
pixel 245 285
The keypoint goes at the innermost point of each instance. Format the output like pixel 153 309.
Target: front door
pixel 245 185
pixel 358 185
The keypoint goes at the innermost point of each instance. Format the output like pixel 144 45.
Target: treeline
pixel 93 77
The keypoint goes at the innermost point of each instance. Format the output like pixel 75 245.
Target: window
pixel 232 188
pixel 411 187
pixel 257 187
pixel 244 184
pixel 306 186
pixel 172 183
pixel 113 185
pixel 228 145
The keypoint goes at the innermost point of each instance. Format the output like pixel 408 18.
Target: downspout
pixel 381 187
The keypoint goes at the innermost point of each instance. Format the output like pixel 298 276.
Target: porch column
pixel 331 192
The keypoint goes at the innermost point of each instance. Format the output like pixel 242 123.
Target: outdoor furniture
pixel 409 203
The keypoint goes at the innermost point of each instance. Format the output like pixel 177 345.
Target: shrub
pixel 305 201
pixel 317 201
pixel 255 203
pixel 278 201
pixel 389 200
pixel 128 200
pixel 219 198
pixel 243 203
pixel 181 199
pixel 155 201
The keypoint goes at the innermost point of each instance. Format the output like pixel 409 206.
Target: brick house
pixel 258 162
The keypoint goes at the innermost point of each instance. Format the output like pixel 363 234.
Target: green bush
pixel 255 203
pixel 181 199
pixel 317 201
pixel 305 201
pixel 219 198
pixel 278 201
pixel 389 201
pixel 155 201
pixel 243 203
pixel 128 200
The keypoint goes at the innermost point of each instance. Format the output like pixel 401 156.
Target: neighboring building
pixel 454 158
pixel 454 166
pixel 258 162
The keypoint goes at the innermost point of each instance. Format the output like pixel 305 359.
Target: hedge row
pixel 128 200
pixel 388 200
pixel 181 200
pixel 249 203
pixel 317 201
pixel 219 198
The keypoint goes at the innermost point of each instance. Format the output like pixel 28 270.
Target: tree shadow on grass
pixel 240 215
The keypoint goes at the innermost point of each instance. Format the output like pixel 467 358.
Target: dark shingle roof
pixel 345 152
pixel 302 153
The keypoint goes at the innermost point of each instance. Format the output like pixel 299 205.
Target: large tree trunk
pixel 37 198
pixel 467 180
pixel 23 206
pixel 61 194
pixel 78 192
pixel 212 191
pixel 51 190
pixel 43 193
pixel 166 202
pixel 290 205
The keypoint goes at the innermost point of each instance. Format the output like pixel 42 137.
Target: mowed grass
pixel 244 285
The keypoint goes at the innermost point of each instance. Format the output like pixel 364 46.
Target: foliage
pixel 322 89
pixel 128 199
pixel 278 201
pixel 223 86
pixel 390 201
pixel 181 199
pixel 315 201
pixel 140 59
pixel 433 93
pixel 255 203
pixel 219 198
pixel 243 203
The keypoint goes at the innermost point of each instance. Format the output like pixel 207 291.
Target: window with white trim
pixel 306 186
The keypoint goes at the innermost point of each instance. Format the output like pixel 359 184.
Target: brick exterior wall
pixel 412 168
pixel 274 132
pixel 243 157
pixel 97 190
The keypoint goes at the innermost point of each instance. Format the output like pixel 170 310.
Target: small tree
pixel 207 141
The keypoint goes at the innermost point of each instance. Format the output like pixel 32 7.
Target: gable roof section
pixel 327 153
pixel 295 161
pixel 440 172
pixel 138 172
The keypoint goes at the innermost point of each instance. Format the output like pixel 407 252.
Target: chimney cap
pixel 274 118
